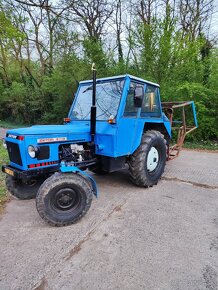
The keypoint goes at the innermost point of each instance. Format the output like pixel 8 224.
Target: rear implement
pixel 181 126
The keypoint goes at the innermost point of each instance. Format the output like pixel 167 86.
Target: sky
pixel 213 25
pixel 214 22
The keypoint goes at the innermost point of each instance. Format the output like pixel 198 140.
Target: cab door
pixel 128 122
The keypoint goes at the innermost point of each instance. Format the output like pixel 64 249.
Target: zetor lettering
pixel 47 140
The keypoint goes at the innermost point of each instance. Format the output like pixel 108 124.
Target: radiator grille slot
pixel 43 153
pixel 14 153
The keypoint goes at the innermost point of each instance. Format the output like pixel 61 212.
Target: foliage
pixel 202 145
pixel 44 54
pixel 3 193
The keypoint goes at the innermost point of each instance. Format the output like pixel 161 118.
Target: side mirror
pixel 138 96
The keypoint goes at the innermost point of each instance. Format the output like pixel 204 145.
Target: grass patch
pixel 3 191
pixel 10 125
pixel 203 145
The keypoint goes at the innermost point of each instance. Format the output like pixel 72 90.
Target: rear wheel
pixel 23 189
pixel 147 163
pixel 63 199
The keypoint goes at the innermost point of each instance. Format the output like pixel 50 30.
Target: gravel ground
pixel 164 237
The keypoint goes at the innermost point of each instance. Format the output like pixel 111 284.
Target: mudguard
pixel 70 168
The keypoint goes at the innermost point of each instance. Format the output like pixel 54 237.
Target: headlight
pixel 4 143
pixel 33 151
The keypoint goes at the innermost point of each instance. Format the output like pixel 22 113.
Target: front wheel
pixel 23 189
pixel 63 199
pixel 147 163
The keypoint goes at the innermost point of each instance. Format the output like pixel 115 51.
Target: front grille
pixel 14 153
pixel 43 153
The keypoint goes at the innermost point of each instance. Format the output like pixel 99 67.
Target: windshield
pixel 108 95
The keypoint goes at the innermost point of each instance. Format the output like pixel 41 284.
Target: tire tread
pixel 44 189
pixel 136 161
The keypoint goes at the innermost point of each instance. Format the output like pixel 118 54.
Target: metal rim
pixel 65 199
pixel 152 159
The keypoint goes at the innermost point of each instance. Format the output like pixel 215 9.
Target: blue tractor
pixel 113 123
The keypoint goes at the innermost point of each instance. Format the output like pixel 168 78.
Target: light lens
pixel 4 143
pixel 33 151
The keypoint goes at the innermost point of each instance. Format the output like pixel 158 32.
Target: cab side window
pixel 130 109
pixel 151 105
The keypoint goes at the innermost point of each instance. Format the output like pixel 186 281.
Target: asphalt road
pixel 164 237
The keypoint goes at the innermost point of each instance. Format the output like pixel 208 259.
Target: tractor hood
pixel 49 129
pixel 72 132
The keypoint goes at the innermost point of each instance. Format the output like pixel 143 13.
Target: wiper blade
pixel 87 89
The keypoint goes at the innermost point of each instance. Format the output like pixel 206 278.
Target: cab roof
pixel 121 77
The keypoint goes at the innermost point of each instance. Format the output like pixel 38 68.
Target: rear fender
pixel 164 128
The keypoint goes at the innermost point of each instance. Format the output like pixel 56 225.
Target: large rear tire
pixel 23 189
pixel 64 198
pixel 147 163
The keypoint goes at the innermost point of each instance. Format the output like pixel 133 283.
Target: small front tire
pixel 22 189
pixel 63 199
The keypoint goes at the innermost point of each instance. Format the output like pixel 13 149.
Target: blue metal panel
pixel 194 113
pixel 123 98
pixel 126 135
pixel 140 130
pixel 126 126
pixel 50 129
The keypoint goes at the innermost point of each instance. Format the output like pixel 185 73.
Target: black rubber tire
pixel 21 189
pixel 139 174
pixel 49 205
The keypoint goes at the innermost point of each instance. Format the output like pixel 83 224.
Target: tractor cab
pixel 125 107
pixel 119 96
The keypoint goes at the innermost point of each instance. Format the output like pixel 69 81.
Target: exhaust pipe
pixel 93 107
